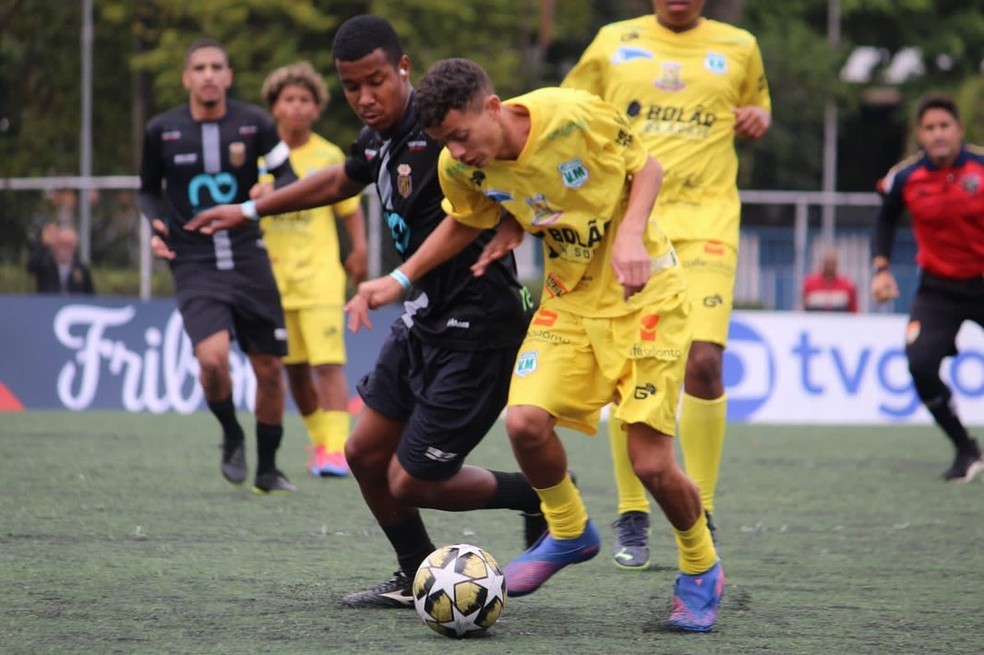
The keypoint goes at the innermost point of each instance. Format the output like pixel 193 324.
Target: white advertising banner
pixel 798 367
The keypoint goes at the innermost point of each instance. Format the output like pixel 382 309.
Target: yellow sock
pixel 702 425
pixel 631 492
pixel 337 424
pixel 695 548
pixel 317 426
pixel 564 510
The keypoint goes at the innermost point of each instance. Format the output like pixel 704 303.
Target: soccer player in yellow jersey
pixel 688 86
pixel 304 251
pixel 613 322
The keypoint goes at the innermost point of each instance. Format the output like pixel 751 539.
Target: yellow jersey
pixel 303 245
pixel 569 186
pixel 679 91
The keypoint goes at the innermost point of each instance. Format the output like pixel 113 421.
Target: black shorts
pixel 939 309
pixel 446 399
pixel 243 301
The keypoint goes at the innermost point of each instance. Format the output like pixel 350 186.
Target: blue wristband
pixel 400 277
pixel 248 209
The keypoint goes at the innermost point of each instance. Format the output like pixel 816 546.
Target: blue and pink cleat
pixel 696 599
pixel 539 562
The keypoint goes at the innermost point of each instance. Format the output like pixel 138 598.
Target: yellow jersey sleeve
pixel 463 199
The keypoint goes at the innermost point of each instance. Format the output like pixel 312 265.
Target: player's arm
pixel 447 240
pixel 630 258
pixel 883 284
pixel 753 115
pixel 324 187
pixel 150 198
pixel 355 262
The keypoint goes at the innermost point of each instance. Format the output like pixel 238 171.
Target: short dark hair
pixel 206 42
pixel 937 101
pixel 450 84
pixel 359 36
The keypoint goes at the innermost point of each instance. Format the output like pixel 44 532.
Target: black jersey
pixel 208 163
pixel 448 305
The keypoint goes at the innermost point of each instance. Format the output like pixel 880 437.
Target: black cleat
pixel 395 592
pixel 967 463
pixel 534 526
pixel 632 541
pixel 233 465
pixel 272 481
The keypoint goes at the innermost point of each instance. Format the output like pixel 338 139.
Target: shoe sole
pixel 972 471
pixel 632 567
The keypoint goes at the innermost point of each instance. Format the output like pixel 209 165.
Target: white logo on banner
pixel 158 375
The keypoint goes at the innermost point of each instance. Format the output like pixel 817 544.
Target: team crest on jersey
pixel 404 183
pixel 629 53
pixel 526 363
pixel 237 154
pixel 671 77
pixel 971 183
pixel 371 154
pixel 574 173
pixel 543 213
pixel 716 63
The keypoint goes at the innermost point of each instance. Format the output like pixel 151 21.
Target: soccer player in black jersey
pixel 441 379
pixel 204 153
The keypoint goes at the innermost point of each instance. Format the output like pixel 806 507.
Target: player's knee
pixel 527 426
pixel 363 457
pixel 655 472
pixel 411 490
pixel 704 364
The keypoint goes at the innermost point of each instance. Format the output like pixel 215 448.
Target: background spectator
pixel 826 290
pixel 55 263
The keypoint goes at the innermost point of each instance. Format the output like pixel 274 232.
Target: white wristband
pixel 248 209
pixel 400 277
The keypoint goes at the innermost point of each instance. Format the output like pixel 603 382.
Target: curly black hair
pixel 450 84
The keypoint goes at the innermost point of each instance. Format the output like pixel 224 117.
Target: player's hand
pixel 158 246
pixel 371 295
pixel 884 287
pixel 222 217
pixel 261 189
pixel 356 265
pixel 507 238
pixel 751 122
pixel 631 263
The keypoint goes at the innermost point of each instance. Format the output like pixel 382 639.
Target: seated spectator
pixel 827 291
pixel 55 263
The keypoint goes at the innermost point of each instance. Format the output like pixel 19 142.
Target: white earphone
pixel 403 73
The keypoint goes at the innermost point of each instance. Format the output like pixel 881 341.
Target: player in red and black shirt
pixel 943 189
pixel 196 156
pixel 442 377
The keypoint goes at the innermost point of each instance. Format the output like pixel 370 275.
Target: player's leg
pixel 937 312
pixel 328 421
pixel 632 525
pixel 556 375
pixel 648 392
pixel 260 331
pixel 710 272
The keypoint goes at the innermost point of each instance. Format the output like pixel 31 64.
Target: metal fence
pixel 774 256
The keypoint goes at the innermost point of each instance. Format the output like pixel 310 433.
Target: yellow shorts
pixel 709 268
pixel 572 366
pixel 315 335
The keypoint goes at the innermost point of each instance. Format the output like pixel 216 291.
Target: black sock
pixel 514 491
pixel 267 442
pixel 411 543
pixel 946 417
pixel 225 411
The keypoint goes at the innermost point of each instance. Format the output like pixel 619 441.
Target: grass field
pixel 119 536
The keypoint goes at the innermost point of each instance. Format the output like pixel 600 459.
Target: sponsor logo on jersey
pixel 716 63
pixel 573 173
pixel 171 135
pixel 526 363
pixel 237 154
pixel 404 183
pixel 671 77
pixel 648 330
pixel 498 196
pixel 554 286
pixel 478 178
pixel 371 154
pixel 971 183
pixel 644 391
pixel 185 158
pixel 416 145
pixel 629 53
pixel 455 323
pixel 248 129
pixel 545 317
pixel 543 213
pixel 439 455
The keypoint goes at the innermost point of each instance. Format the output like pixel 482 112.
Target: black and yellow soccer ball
pixel 459 590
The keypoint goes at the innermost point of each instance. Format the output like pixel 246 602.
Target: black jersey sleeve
pixel 276 153
pixel 357 166
pixel 151 195
pixel 883 238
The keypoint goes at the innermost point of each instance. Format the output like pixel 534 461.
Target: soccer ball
pixel 459 590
